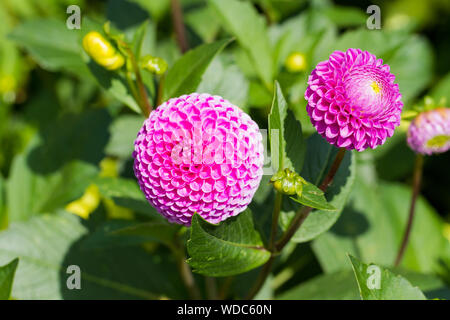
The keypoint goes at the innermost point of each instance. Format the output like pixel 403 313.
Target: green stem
pixel 184 270
pixel 417 178
pixel 159 96
pixel 304 211
pixel 143 100
pixel 265 271
pixel 298 220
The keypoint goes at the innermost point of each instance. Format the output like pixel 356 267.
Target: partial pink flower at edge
pixel 429 132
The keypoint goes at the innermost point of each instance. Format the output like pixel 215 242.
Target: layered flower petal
pixel 353 101
pixel 429 132
pixel 198 153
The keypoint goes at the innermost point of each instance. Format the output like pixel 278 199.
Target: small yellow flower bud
pixel 296 62
pixel 102 51
pixel 85 205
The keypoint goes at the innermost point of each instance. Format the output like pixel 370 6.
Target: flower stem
pixel 304 211
pixel 143 101
pixel 160 92
pixel 265 271
pixel 298 220
pixel 275 217
pixel 187 277
pixel 417 178
pixel 178 24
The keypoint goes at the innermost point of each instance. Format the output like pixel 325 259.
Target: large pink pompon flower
pixel 198 153
pixel 429 132
pixel 353 101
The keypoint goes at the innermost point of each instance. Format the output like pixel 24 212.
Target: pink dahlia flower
pixel 429 132
pixel 353 101
pixel 198 153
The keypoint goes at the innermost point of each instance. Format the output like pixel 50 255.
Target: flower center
pixel 365 91
pixel 438 141
pixel 375 87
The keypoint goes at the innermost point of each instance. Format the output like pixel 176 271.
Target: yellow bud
pixel 102 51
pixel 85 205
pixel 446 231
pixel 7 83
pixel 117 212
pixel 296 62
pixel 109 168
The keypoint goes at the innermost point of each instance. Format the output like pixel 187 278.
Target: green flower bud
pixel 155 65
pixel 288 182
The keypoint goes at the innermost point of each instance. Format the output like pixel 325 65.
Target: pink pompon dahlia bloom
pixel 353 101
pixel 198 153
pixel 429 132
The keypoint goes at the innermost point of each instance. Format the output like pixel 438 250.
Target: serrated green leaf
pixel 319 157
pixel 341 285
pixel 232 247
pixel 377 283
pixel 285 132
pixel 6 278
pixel 242 21
pixel 313 197
pixel 186 74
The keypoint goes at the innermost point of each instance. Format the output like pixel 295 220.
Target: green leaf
pixel 156 9
pixel 319 157
pixel 376 283
pixel 2 203
pixel 286 141
pixel 442 90
pixel 186 74
pixel 58 164
pixel 225 80
pixel 230 248
pixel 333 286
pixel 123 132
pixel 115 84
pixel 372 224
pixel 313 197
pixel 346 16
pixel 242 21
pixel 125 233
pixel 48 244
pixel 204 23
pixel 54 47
pixel 341 285
pixel 6 278
pixel 126 193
